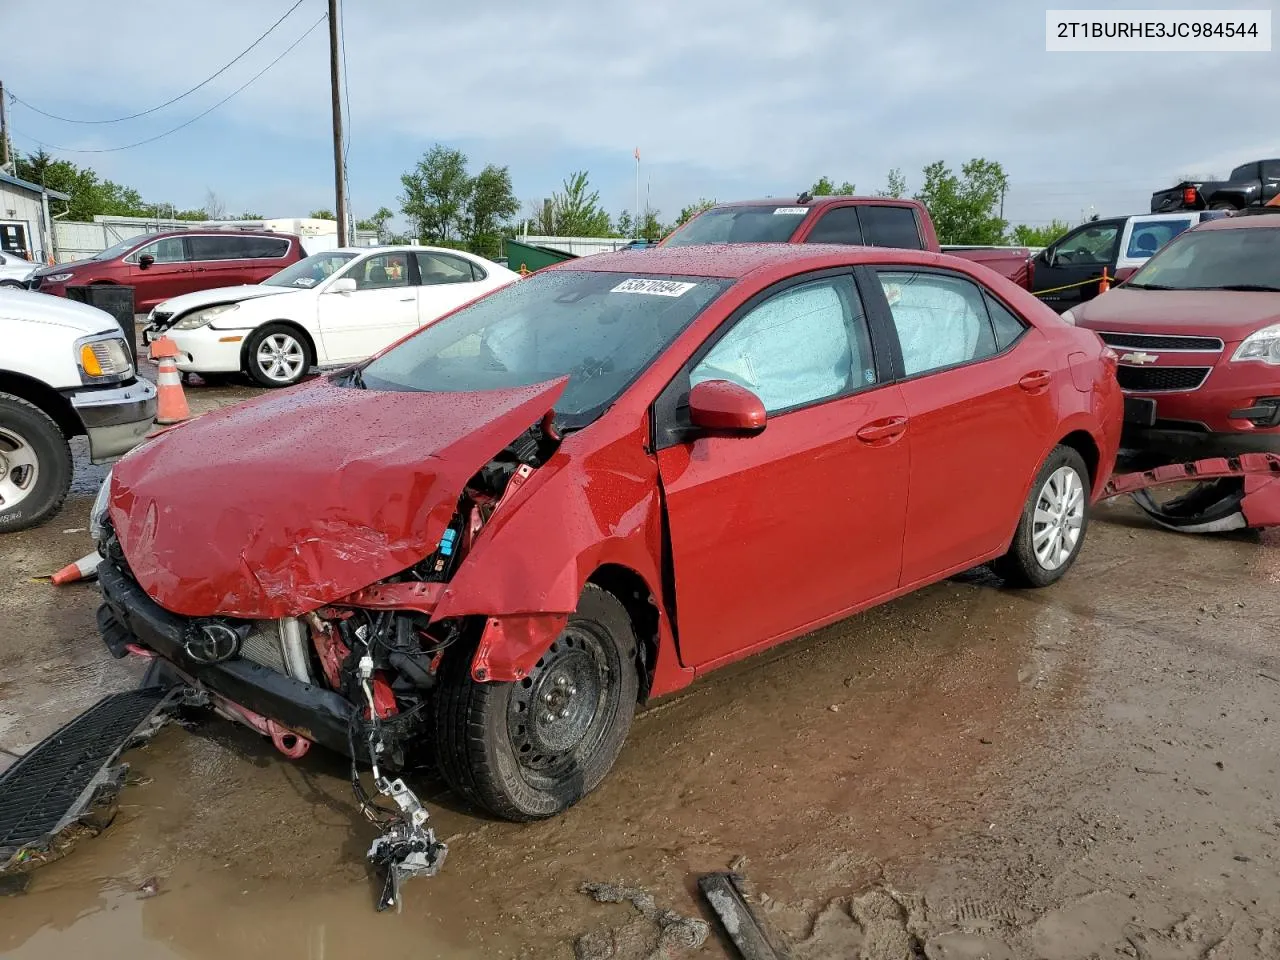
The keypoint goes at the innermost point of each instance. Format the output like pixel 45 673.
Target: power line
pixel 202 83
pixel 161 136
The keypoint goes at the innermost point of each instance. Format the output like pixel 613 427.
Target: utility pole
pixel 339 164
pixel 6 155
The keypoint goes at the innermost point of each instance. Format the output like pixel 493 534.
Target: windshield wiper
pixel 1247 287
pixel 1147 286
pixel 356 379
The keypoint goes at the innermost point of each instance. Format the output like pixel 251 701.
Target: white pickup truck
pixel 65 371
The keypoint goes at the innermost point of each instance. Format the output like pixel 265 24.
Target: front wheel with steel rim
pixel 35 465
pixel 531 749
pixel 1053 523
pixel 277 355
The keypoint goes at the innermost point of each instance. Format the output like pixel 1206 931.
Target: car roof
pixel 402 248
pixel 737 260
pixel 815 201
pixel 1240 223
pixel 214 231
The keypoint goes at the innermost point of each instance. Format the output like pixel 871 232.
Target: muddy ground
pixel 1083 771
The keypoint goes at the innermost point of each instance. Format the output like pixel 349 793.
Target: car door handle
pixel 1035 382
pixel 883 431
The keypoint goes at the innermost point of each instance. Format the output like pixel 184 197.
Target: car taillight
pixel 1190 195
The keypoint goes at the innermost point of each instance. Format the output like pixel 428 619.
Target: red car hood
pixel 283 504
pixel 1228 314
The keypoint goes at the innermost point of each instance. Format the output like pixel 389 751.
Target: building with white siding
pixel 25 226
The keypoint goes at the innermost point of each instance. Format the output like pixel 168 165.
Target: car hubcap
pixel 1059 516
pixel 280 357
pixel 19 468
pixel 560 707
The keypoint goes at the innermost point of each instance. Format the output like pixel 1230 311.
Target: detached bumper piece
pixel 72 778
pixel 1231 493
pixel 726 895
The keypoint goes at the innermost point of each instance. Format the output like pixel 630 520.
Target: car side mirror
pixel 343 285
pixel 721 406
pixel 145 260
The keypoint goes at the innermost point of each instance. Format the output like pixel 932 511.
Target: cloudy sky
pixel 723 99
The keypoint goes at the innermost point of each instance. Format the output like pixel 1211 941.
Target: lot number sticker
pixel 792 211
pixel 656 288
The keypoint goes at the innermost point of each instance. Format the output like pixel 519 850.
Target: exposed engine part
pixel 407 846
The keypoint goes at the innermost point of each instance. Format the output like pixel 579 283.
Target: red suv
pixel 1198 334
pixel 163 265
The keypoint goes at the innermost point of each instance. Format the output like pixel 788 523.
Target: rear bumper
pixel 128 615
pixel 116 419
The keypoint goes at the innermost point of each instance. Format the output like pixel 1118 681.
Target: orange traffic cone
pixel 1105 283
pixel 82 569
pixel 171 402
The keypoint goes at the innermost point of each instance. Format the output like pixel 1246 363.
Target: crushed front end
pixel 356 674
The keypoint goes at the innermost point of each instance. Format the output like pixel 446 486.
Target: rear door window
pixel 219 248
pixel 840 225
pixel 434 268
pixel 264 248
pixel 1150 236
pixel 941 320
pixel 885 226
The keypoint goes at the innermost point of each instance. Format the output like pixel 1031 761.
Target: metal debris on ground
pixel 726 894
pixel 67 786
pixel 636 941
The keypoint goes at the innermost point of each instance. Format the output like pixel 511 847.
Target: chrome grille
pixel 1161 341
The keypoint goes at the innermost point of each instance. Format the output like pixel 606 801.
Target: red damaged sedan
pixel 588 488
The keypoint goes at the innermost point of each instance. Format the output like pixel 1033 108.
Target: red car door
pixel 977 382
pixel 166 274
pixel 776 533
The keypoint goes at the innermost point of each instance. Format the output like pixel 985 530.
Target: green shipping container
pixel 532 257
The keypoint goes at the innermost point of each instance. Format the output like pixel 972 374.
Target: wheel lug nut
pixel 561 681
pixel 572 691
pixel 564 714
pixel 549 698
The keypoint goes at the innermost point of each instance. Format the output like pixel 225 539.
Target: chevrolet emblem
pixel 1138 358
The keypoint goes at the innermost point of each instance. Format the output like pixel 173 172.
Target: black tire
pixel 494 761
pixel 34 494
pixel 274 330
pixel 1223 205
pixel 12 285
pixel 1022 566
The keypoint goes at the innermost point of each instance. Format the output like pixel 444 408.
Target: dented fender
pixel 591 505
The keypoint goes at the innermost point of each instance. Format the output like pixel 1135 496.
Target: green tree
pixel 966 208
pixel 625 225
pixel 826 188
pixel 322 214
pixel 1028 236
pixel 377 222
pixel 490 205
pixel 895 185
pixel 651 227
pixel 435 193
pixel 692 210
pixel 576 212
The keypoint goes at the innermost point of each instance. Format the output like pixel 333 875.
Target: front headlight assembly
pixel 1263 345
pixel 57 277
pixel 104 358
pixel 200 318
pixel 98 512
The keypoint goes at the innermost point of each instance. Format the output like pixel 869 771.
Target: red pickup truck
pixel 864 221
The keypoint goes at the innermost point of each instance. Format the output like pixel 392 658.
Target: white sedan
pixel 333 308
